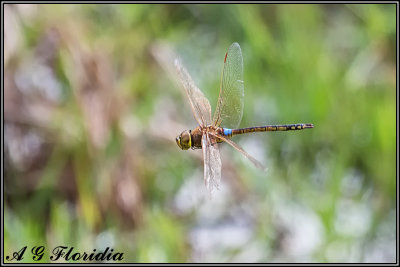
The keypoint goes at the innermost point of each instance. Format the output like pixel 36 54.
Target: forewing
pixel 212 162
pixel 200 105
pixel 229 108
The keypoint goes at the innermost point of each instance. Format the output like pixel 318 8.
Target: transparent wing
pixel 229 109
pixel 212 162
pixel 241 150
pixel 200 105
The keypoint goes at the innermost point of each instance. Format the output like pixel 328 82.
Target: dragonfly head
pixel 184 140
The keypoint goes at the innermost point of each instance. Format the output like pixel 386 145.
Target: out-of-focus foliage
pixel 91 113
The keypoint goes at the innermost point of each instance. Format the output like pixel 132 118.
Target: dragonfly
pixel 227 116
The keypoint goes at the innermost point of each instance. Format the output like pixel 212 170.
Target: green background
pixel 92 111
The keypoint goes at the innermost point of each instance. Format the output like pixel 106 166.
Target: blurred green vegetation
pixel 91 114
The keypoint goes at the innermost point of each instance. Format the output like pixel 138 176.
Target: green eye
pixel 184 140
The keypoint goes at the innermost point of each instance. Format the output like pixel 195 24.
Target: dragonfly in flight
pixel 225 122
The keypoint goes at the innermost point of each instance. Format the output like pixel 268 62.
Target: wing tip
pixel 233 45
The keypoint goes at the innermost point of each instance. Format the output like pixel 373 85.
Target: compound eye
pixel 185 139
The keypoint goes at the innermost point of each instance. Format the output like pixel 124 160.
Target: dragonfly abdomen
pixel 267 128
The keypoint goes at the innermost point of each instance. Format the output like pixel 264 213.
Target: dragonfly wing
pixel 212 162
pixel 229 109
pixel 200 105
pixel 241 150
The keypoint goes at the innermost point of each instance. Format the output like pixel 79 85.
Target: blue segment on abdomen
pixel 227 132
